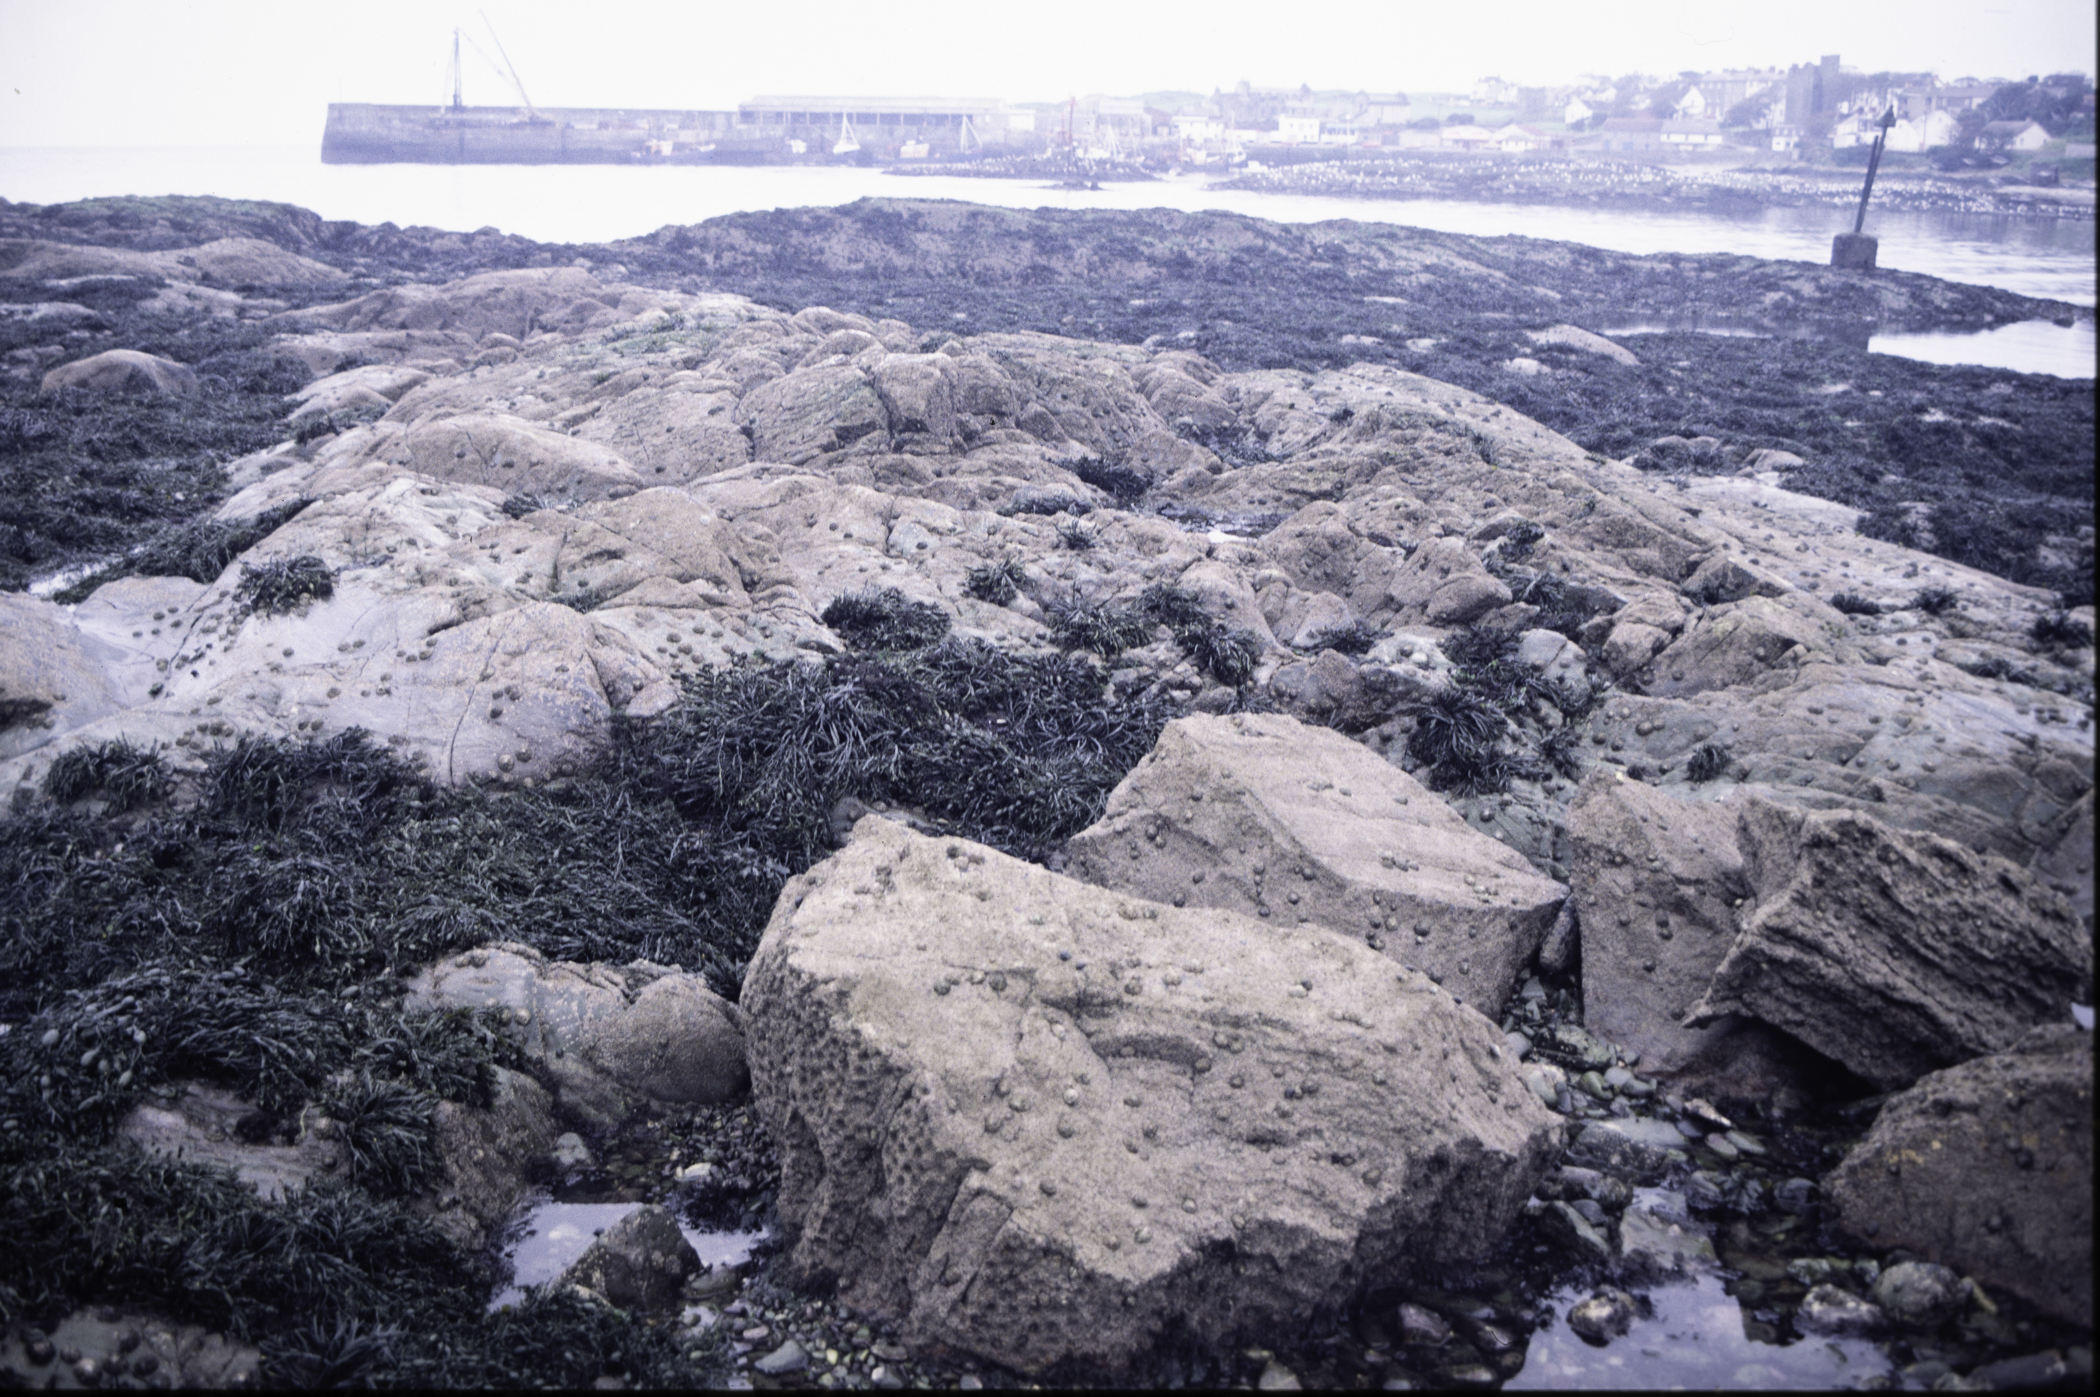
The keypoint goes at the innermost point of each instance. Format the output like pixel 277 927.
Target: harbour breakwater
pixel 1033 757
pixel 371 133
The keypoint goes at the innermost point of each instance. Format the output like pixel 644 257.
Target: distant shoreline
pixel 1614 184
pixel 1676 188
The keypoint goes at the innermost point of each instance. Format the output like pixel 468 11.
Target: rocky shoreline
pixel 1659 187
pixel 1148 830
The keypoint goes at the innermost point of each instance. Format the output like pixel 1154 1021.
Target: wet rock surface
pixel 640 1262
pixel 1987 1167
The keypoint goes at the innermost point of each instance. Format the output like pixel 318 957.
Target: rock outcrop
pixel 122 371
pixel 1049 1123
pixel 1893 953
pixel 1988 1168
pixel 1267 817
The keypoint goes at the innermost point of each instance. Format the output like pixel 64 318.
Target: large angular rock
pixel 917 392
pixel 674 433
pixel 1892 952
pixel 122 371
pixel 609 1037
pixel 1655 881
pixel 1266 816
pixel 1047 1122
pixel 1988 1168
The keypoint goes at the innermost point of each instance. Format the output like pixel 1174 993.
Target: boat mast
pixel 516 82
pixel 457 103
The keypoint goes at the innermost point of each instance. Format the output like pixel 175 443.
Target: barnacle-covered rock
pixel 1048 1122
pixel 1988 1168
pixel 1292 824
pixel 1893 953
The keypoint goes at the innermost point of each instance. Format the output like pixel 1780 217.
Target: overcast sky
pixel 151 72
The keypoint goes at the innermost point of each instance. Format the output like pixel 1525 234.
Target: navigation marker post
pixel 1854 251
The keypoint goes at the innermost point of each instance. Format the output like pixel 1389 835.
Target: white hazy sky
pixel 152 72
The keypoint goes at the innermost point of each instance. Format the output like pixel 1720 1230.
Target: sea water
pixel 2051 258
pixel 551 1237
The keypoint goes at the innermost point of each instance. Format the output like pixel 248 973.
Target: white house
pixel 1693 133
pixel 1933 129
pixel 1296 130
pixel 1692 105
pixel 1516 139
pixel 1466 137
pixel 1199 129
pixel 1494 92
pixel 2014 135
pixel 1576 112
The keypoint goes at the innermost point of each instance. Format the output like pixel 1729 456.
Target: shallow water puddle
pixel 552 1236
pixel 2029 346
pixel 1693 1339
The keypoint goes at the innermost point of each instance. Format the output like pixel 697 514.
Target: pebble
pixel 790 1357
pixel 1838 1313
pixel 1422 1327
pixel 1603 1316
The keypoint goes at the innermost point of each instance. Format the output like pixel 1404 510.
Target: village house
pixel 1494 92
pixel 1382 109
pixel 2013 135
pixel 1295 129
pixel 1632 133
pixel 1197 129
pixel 1926 132
pixel 1682 133
pixel 1466 137
pixel 1726 90
pixel 1953 98
pixel 1517 138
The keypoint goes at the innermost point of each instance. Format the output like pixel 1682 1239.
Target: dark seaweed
pixel 282 584
pixel 2057 631
pixel 1352 639
pixel 885 620
pixel 1706 762
pixel 199 550
pixel 997 583
pixel 124 775
pixel 1122 483
pixel 1853 604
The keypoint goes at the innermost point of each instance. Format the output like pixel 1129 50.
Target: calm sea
pixel 2045 257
